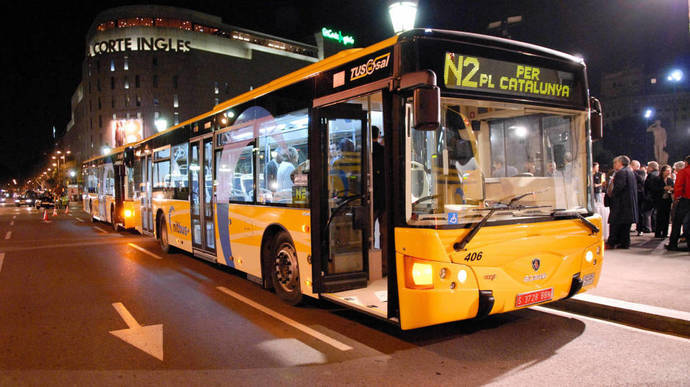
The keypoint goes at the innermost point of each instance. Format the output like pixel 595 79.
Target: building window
pixel 138 100
pixel 126 65
pixel 99 103
pixel 100 121
pixel 139 115
pixel 112 65
pixel 155 81
pixel 155 101
pixel 137 82
pixel 176 101
pixel 114 116
pixel 112 83
pixel 175 77
pixel 215 88
pixel 126 83
pixel 177 118
pixel 112 102
pixel 127 101
pixel 98 84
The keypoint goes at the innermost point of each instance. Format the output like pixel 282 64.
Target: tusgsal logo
pixel 368 68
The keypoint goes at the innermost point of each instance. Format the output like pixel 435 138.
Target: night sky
pixel 44 45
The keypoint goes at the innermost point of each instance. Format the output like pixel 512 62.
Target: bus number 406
pixel 474 256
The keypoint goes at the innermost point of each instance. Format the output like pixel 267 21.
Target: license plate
pixel 534 297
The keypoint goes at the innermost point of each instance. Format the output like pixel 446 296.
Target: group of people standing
pixel 650 196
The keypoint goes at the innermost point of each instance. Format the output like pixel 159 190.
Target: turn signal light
pixel 128 213
pixel 418 275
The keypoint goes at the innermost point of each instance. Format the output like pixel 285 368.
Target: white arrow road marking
pixel 79 220
pixel 100 229
pixel 2 258
pixel 143 250
pixel 314 333
pixel 148 339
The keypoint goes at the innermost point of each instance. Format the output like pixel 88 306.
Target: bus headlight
pixel 462 276
pixel 589 256
pixel 418 274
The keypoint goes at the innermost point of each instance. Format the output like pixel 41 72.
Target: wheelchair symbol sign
pixel 453 218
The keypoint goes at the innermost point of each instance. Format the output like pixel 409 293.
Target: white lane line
pixel 100 229
pixel 8 235
pixel 311 332
pixel 581 317
pixel 2 258
pixel 143 250
pixel 79 220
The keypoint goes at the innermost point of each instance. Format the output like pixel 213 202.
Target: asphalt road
pixel 75 295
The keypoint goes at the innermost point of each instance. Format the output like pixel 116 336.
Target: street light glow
pixel 648 113
pixel 403 14
pixel 675 76
pixel 161 124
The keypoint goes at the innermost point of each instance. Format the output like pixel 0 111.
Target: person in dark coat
pixel 623 203
pixel 660 190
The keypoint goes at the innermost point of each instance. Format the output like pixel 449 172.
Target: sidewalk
pixel 644 286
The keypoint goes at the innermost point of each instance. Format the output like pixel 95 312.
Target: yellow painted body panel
pixel 505 267
pixel 177 220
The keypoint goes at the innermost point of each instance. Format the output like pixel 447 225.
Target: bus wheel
pixel 163 235
pixel 116 228
pixel 285 272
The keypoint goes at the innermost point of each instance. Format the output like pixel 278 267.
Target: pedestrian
pixel 661 192
pixel 622 192
pixel 598 178
pixel 650 202
pixel 640 175
pixel 681 197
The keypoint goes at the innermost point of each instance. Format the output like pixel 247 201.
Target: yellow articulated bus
pixel 475 199
pixel 108 190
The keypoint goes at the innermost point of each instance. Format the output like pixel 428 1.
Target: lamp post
pixel 403 14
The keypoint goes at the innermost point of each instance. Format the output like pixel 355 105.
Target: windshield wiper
pixel 500 206
pixel 577 214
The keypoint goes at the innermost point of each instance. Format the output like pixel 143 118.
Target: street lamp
pixel 648 113
pixel 675 77
pixel 403 14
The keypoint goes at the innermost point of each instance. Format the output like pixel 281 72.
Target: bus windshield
pixel 486 153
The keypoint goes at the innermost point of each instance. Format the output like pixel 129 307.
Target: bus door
pixel 146 211
pixel 340 208
pixel 119 187
pixel 201 196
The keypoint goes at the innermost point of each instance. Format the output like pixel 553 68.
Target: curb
pixel 636 315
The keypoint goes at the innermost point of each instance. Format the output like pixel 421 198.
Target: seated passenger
pixel 500 171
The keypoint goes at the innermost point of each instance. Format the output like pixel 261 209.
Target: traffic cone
pixel 45 215
pixel 67 209
pixel 55 211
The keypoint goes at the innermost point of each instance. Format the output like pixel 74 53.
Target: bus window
pixel 178 174
pixel 284 160
pixel 235 172
pixel 161 174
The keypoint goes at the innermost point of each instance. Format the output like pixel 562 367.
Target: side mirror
pixel 427 108
pixel 596 119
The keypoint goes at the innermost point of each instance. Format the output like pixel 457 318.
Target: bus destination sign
pixel 495 76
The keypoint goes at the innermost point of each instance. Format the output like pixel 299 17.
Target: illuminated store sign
pixel 495 76
pixel 337 35
pixel 139 44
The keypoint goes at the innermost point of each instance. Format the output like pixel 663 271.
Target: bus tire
pixel 116 228
pixel 163 235
pixel 284 269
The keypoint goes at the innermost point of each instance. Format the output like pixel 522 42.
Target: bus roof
pixel 346 56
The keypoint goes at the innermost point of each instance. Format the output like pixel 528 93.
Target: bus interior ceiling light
pixel 403 14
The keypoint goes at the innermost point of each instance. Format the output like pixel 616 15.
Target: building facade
pixel 633 100
pixel 147 68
